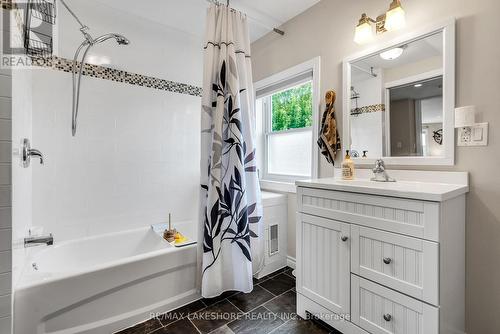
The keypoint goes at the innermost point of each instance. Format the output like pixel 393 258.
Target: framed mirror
pixel 399 100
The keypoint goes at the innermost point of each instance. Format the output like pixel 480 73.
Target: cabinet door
pixel 323 262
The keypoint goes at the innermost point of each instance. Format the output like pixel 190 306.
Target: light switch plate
pixel 476 135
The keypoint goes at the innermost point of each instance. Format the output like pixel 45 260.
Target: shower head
pixel 120 39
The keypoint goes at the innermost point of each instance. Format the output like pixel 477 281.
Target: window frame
pixel 280 182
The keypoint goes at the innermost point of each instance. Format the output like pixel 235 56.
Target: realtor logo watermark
pixel 28 33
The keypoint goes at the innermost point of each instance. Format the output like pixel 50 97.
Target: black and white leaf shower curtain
pixel 231 211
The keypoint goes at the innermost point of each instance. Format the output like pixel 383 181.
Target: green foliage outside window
pixel 292 108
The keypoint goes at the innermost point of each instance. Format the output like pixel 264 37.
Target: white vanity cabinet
pixel 383 258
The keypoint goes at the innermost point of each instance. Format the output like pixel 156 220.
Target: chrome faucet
pixel 380 172
pixel 29 152
pixel 36 241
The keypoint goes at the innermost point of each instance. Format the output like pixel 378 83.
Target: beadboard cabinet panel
pixel 323 248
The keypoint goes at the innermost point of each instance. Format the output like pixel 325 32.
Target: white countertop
pixel 428 191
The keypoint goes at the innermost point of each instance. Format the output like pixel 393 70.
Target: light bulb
pixel 364 31
pixel 395 16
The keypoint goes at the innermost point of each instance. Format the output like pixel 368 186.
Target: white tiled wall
pixel 5 202
pixel 136 154
pixel 135 157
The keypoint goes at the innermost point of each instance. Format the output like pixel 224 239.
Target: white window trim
pixel 286 184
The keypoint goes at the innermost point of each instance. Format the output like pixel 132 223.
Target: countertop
pixel 428 191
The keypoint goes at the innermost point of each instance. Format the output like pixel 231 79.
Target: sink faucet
pixel 380 172
pixel 35 241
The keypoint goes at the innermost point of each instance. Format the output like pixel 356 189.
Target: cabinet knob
pixel 344 238
pixel 387 317
pixel 387 260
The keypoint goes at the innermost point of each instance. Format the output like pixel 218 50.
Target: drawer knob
pixel 387 317
pixel 344 238
pixel 387 260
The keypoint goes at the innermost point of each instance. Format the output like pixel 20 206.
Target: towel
pixel 329 140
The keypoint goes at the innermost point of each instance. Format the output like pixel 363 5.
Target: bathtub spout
pixel 35 241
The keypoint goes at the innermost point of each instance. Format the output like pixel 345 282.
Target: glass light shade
pixel 395 18
pixel 465 116
pixel 392 54
pixel 363 33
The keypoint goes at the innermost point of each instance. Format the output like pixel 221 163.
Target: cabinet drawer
pixel 381 311
pixel 405 216
pixel 402 263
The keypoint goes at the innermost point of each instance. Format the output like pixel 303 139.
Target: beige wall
pixel 326 30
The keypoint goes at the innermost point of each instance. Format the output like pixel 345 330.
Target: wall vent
pixel 273 239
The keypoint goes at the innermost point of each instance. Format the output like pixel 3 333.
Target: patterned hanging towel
pixel 329 140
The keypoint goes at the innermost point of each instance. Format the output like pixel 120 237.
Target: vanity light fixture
pixel 393 19
pixel 392 53
pixel 418 85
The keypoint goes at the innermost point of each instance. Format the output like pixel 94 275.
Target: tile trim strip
pixel 368 109
pixel 106 73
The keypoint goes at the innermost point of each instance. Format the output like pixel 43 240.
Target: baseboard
pixel 290 261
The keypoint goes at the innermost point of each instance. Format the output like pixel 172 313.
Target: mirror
pixel 400 102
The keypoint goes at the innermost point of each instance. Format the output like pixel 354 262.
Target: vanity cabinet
pixel 382 258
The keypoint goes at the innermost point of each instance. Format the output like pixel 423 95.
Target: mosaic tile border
pixel 368 109
pixel 7 4
pixel 106 73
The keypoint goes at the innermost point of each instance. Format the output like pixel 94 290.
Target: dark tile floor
pixel 269 308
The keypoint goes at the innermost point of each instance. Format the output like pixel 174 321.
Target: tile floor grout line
pixel 277 296
pixel 236 308
pixel 192 323
pixel 269 292
pixel 283 324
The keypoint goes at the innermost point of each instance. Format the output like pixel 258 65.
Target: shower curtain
pixel 230 202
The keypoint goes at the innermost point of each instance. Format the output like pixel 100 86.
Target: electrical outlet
pixel 476 135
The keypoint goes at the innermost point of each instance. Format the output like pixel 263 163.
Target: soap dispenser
pixel 347 167
pixel 169 234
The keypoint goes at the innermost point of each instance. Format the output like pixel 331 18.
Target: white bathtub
pixel 102 284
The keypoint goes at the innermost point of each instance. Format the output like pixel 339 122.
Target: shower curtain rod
pixel 276 30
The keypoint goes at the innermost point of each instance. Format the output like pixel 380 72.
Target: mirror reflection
pixel 397 101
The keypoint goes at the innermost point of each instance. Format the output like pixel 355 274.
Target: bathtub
pixel 102 284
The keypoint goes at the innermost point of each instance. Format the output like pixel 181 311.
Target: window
pixel 286 119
